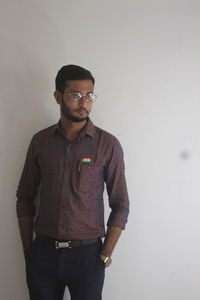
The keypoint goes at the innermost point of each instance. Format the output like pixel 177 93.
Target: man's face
pixel 76 111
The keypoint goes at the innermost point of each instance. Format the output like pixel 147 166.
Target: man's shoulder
pixel 45 132
pixel 106 136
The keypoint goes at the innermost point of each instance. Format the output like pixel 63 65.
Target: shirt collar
pixel 88 129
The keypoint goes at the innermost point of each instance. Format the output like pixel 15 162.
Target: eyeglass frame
pixel 80 95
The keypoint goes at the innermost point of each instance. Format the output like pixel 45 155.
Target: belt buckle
pixel 63 244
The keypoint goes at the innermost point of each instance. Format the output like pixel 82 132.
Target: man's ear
pixel 58 97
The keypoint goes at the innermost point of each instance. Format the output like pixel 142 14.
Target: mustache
pixel 82 109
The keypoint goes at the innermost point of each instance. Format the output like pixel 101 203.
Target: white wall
pixel 145 57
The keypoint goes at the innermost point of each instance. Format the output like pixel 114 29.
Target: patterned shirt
pixel 70 177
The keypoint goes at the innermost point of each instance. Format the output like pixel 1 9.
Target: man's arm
pixel 26 193
pixel 118 199
pixel 112 235
pixel 26 230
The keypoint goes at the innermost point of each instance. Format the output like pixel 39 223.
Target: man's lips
pixel 82 111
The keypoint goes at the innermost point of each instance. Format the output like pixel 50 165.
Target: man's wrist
pixel 106 260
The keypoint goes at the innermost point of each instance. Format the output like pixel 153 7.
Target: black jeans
pixel 50 270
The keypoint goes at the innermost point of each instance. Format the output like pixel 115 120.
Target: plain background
pixel 145 58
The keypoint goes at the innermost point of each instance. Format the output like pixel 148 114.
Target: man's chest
pixel 80 164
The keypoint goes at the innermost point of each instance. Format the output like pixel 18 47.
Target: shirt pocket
pixel 91 179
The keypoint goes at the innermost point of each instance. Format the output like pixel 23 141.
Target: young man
pixel 70 162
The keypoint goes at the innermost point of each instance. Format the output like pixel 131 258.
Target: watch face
pixel 106 260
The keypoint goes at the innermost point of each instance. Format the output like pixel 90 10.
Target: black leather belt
pixel 66 244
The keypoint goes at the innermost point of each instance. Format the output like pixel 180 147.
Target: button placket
pixel 65 187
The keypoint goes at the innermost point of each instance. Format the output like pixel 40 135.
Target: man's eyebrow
pixel 76 91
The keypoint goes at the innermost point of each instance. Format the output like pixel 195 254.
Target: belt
pixel 66 244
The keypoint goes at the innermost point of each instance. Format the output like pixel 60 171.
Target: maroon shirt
pixel 70 178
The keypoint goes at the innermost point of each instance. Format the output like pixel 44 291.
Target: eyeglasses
pixel 90 97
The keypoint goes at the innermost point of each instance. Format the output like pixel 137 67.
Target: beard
pixel 67 112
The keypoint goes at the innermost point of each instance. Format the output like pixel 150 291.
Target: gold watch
pixel 106 260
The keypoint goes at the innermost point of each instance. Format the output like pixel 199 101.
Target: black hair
pixel 71 72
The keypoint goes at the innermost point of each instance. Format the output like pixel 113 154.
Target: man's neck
pixel 71 129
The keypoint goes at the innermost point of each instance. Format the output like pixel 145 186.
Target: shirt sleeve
pixel 116 188
pixel 28 184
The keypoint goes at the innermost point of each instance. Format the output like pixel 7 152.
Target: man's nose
pixel 83 100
